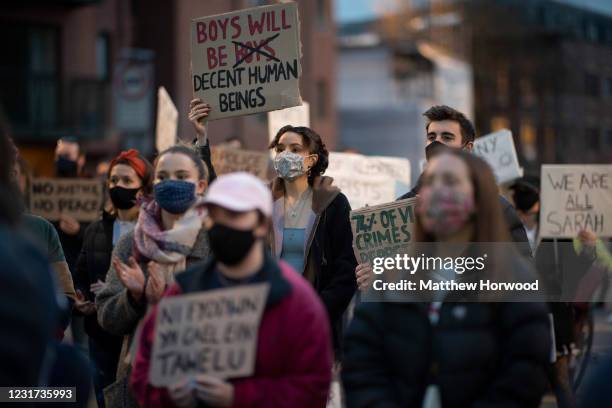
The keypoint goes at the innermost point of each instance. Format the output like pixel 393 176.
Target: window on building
pixel 593 31
pixel 503 87
pixel 591 85
pixel 608 87
pixel 592 139
pixel 528 96
pixel 103 56
pixel 321 13
pixel 322 99
pixel 528 140
pixel 499 122
pixel 29 79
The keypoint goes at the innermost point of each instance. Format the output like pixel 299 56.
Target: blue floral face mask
pixel 289 165
pixel 175 196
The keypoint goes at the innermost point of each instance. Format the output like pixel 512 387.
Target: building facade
pixel 67 77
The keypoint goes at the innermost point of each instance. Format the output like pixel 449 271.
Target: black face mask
pixel 65 167
pixel 229 245
pixel 123 198
pixel 435 148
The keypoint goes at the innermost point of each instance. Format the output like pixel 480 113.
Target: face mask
pixel 175 196
pixel 65 167
pixel 123 198
pixel 444 211
pixel 289 165
pixel 229 245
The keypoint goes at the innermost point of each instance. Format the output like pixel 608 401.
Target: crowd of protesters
pixel 172 227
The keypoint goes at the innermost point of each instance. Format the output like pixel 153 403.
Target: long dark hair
pixel 312 140
pixel 489 223
pixel 11 202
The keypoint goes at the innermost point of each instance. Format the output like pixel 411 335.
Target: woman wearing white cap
pixel 311 226
pixel 291 369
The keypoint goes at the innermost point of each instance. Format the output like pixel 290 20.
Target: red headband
pixel 132 157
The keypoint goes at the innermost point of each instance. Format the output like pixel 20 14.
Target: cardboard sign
pixel 79 198
pixel 369 180
pixel 213 332
pixel 296 116
pixel 167 121
pixel 383 230
pixel 575 197
pixel 226 160
pixel 498 150
pixel 247 61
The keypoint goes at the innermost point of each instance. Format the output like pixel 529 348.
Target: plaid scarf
pixel 169 248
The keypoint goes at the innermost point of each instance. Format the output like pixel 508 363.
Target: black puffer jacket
pixel 330 261
pixel 92 265
pixel 479 354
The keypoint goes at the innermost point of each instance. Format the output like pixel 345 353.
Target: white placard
pixel 498 150
pixel 369 180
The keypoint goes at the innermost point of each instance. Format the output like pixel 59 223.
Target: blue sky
pixel 354 10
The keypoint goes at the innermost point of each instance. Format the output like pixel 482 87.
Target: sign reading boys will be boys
pixel 575 197
pixel 247 61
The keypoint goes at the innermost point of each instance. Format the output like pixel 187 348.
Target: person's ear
pixel 201 187
pixel 469 146
pixel 314 158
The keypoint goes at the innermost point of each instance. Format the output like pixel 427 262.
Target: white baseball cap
pixel 240 192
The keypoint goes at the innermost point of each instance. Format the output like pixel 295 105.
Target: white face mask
pixel 289 165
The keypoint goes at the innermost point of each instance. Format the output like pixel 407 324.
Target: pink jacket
pixel 294 353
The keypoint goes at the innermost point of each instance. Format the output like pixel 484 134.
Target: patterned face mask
pixel 289 165
pixel 175 196
pixel 444 211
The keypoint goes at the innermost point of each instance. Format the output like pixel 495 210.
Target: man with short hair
pixel 448 128
pixel 293 365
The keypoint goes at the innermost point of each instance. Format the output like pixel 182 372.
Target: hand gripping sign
pixel 213 332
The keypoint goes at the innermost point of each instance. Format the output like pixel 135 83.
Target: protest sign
pixel 384 230
pixel 498 150
pixel 247 61
pixel 226 160
pixel 213 332
pixel 575 197
pixel 368 180
pixel 78 198
pixel 296 116
pixel 167 121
